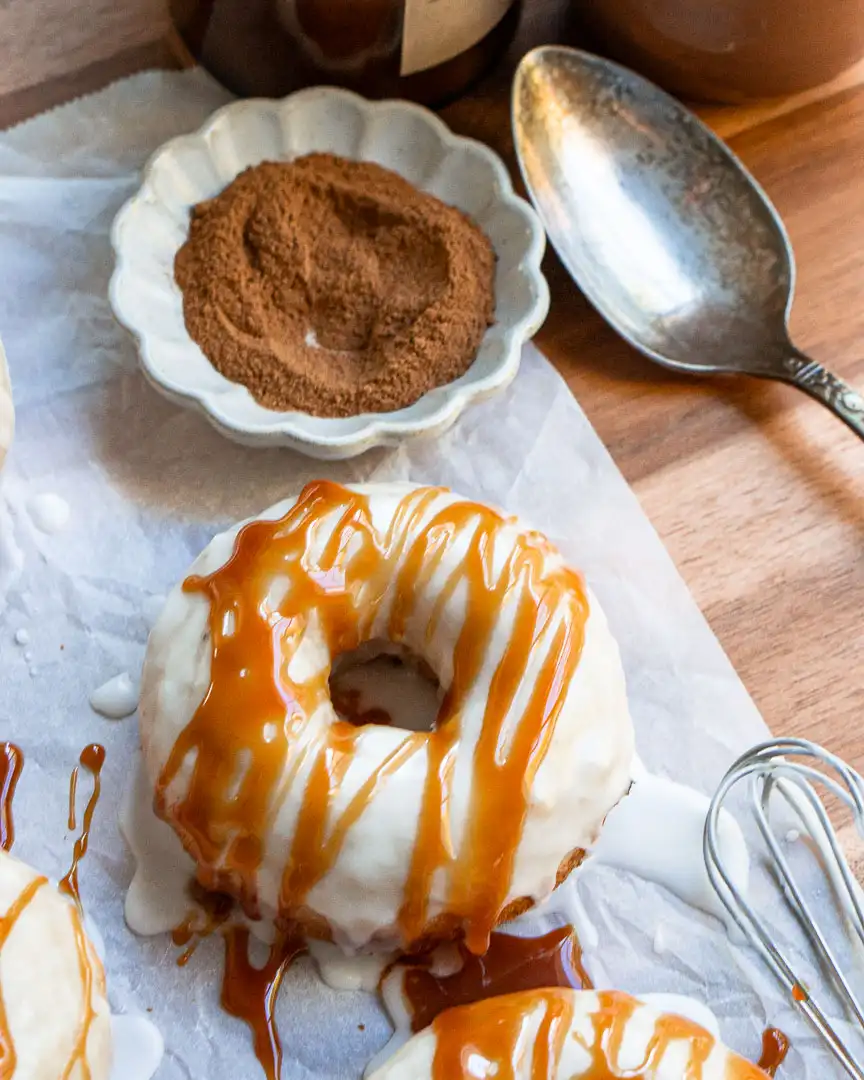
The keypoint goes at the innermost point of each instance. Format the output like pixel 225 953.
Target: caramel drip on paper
pixel 210 912
pixel 11 764
pixel 488 1038
pixel 92 759
pixel 250 993
pixel 775 1047
pixel 511 965
pixel 248 741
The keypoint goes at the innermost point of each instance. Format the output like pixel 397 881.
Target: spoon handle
pixel 808 375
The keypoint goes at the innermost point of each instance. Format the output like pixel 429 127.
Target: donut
pixel 564 1035
pixel 373 836
pixel 54 1017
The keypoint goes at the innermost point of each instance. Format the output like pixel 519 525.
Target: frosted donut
pixel 374 835
pixel 54 1018
pixel 564 1035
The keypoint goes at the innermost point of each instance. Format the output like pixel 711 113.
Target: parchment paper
pixel 149 483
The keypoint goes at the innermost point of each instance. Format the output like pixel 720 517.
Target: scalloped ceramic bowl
pixel 152 226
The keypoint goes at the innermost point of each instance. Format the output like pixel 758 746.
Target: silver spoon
pixel 660 225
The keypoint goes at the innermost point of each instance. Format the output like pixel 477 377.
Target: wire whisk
pixel 782 766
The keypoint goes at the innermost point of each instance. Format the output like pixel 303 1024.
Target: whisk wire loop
pixel 776 766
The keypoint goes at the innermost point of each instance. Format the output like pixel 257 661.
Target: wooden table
pixel 757 492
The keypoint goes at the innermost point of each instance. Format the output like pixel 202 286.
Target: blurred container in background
pixel 730 50
pixel 427 50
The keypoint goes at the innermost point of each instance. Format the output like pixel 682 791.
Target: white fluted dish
pixel 152 226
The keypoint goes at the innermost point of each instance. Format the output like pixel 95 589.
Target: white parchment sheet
pixel 149 483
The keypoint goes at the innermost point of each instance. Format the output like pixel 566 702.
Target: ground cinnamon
pixel 335 287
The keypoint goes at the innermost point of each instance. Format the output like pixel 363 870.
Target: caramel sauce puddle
pixel 512 964
pixel 775 1047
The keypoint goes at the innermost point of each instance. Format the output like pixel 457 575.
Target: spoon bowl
pixel 660 225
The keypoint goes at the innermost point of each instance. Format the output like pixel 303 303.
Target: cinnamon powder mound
pixel 335 287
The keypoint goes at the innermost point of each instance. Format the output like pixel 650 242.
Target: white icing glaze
pixel 642 1024
pixel 341 972
pixel 45 965
pixel 656 833
pixel 584 772
pixel 116 698
pixel 22 637
pixel 138 1048
pixel 682 1005
pixel 157 899
pixel 48 512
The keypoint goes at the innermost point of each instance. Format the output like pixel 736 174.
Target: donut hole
pixel 382 683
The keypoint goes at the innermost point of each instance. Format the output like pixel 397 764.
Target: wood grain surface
pixel 757 491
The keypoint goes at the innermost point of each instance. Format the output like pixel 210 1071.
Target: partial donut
pixel 54 1017
pixel 374 835
pixel 564 1035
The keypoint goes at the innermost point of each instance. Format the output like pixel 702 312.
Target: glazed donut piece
pixel 374 835
pixel 54 1018
pixel 564 1035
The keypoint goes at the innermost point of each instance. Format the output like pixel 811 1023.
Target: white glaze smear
pixel 656 834
pixel 342 972
pixel 116 698
pixel 49 512
pixel 138 1048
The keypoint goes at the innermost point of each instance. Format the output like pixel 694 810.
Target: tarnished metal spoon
pixel 661 226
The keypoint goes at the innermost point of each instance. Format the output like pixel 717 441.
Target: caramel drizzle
pixel 251 720
pixel 92 759
pixel 493 1032
pixel 11 764
pixel 211 911
pixel 78 1056
pixel 8 1057
pixel 250 993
